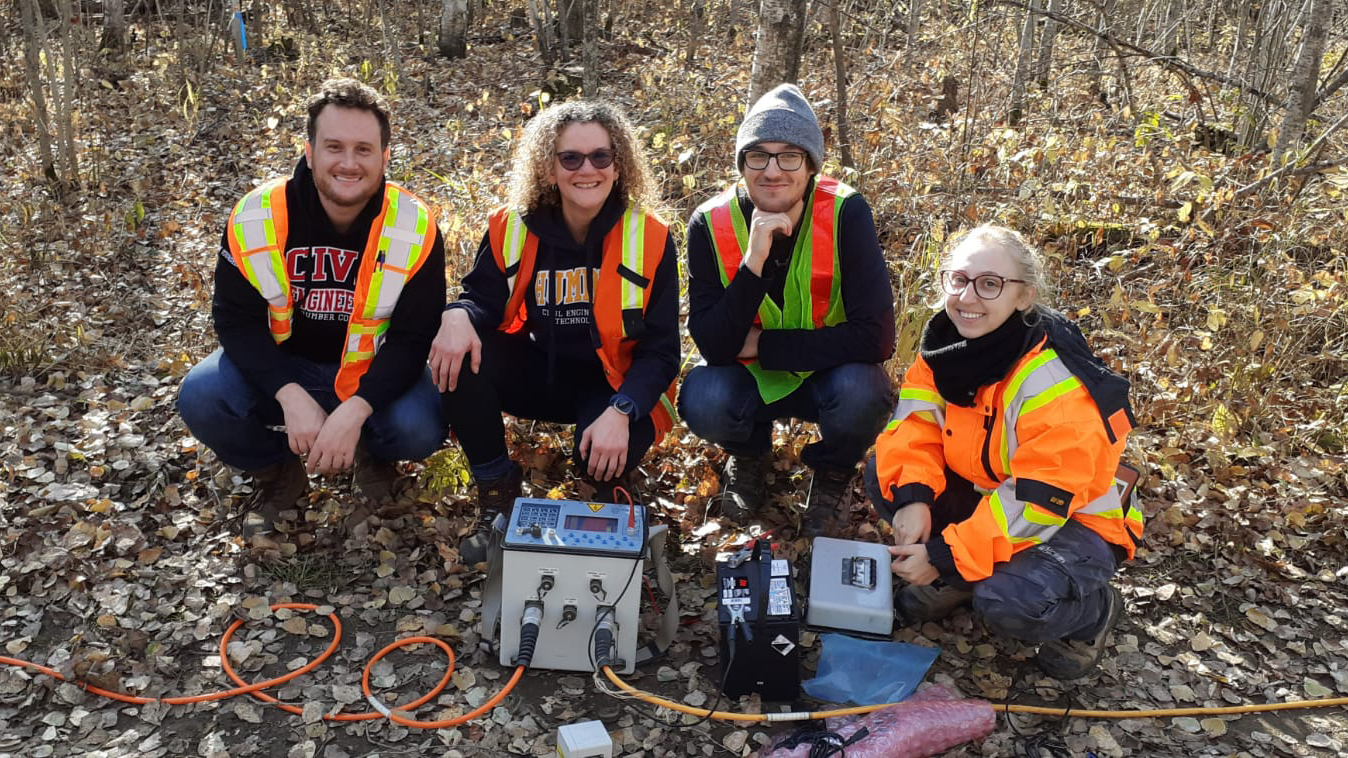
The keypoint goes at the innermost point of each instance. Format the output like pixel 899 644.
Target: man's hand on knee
pixel 304 417
pixel 335 448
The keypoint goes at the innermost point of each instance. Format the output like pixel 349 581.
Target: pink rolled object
pixel 926 724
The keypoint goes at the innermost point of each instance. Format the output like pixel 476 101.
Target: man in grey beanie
pixel 791 307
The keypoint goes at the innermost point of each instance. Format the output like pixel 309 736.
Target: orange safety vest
pixel 1033 444
pixel 812 298
pixel 400 239
pixel 632 251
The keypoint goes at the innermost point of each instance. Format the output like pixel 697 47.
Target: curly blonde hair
pixel 530 187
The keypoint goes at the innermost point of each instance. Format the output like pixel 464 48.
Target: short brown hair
pixel 349 93
pixel 537 148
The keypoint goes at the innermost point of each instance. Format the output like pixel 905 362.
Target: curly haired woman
pixel 570 313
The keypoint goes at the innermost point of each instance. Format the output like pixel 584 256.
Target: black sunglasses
pixel 572 160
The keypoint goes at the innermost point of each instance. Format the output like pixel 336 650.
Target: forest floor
pixel 119 557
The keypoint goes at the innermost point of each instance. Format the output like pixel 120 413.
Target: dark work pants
pixel 1056 590
pixel 850 403
pixel 513 378
pixel 230 416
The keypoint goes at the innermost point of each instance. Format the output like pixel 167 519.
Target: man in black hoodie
pixel 327 290
pixel 789 303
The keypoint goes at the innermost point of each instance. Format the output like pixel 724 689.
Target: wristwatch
pixel 625 405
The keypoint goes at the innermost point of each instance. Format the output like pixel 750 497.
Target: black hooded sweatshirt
pixel 563 325
pixel 323 265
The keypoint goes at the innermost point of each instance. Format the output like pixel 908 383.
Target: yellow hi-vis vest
pixel 812 297
pixel 400 239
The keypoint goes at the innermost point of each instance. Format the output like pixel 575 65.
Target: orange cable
pixel 256 688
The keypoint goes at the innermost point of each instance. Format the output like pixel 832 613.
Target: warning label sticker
pixel 780 567
pixel 779 597
pixel 782 645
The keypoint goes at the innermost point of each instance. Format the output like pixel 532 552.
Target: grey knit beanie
pixel 782 115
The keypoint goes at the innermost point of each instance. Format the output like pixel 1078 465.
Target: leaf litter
pixel 117 529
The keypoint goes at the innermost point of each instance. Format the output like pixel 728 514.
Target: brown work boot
pixel 745 485
pixel 378 482
pixel 827 507
pixel 275 489
pixel 494 496
pixel 1073 659
pixel 920 603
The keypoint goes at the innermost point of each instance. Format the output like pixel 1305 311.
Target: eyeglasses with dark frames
pixel 787 160
pixel 986 286
pixel 572 160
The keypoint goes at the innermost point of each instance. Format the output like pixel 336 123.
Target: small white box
pixel 851 587
pixel 586 739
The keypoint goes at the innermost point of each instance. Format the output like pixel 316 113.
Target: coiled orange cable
pixel 255 689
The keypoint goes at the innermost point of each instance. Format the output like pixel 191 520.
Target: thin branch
pixel 1291 168
pixel 1165 60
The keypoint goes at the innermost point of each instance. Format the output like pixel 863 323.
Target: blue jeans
pixel 1057 590
pixel 850 403
pixel 230 416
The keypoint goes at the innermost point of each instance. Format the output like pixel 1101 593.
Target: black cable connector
pixel 569 614
pixel 529 624
pixel 605 637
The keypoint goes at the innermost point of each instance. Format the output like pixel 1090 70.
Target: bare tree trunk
pixel 114 25
pixel 1043 67
pixel 236 29
pixel 570 23
pixel 1304 76
pixel 1026 50
pixel 1174 14
pixel 391 53
pixel 697 23
pixel 589 48
pixel 538 16
pixel 914 17
pixel 781 31
pixel 840 75
pixel 65 104
pixel 32 55
pixel 453 38
pixel 1096 86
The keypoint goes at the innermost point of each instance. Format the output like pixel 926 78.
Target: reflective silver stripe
pixel 1020 523
pixel 1041 379
pixel 913 400
pixel 254 228
pixel 401 240
pixel 1107 504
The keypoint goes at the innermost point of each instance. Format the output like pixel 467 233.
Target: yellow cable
pixel 1000 707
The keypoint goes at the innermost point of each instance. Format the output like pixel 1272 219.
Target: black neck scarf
pixel 960 366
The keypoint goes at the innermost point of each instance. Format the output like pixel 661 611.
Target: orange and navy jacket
pixel 633 329
pixel 289 284
pixel 1033 444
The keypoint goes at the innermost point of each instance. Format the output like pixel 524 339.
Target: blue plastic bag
pixel 868 672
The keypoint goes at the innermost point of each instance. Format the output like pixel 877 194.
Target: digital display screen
pixel 591 524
